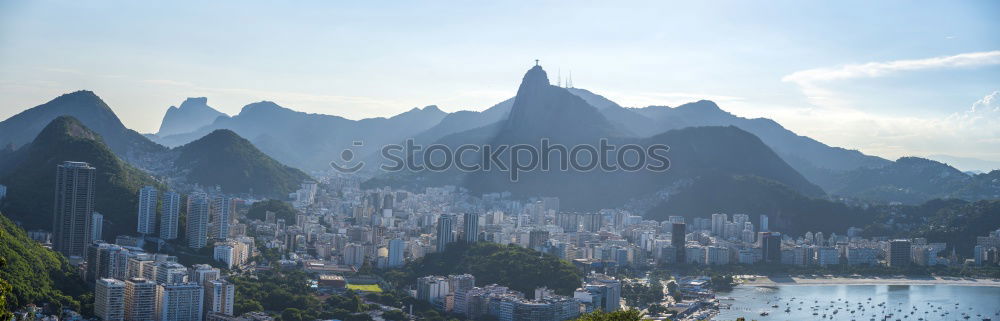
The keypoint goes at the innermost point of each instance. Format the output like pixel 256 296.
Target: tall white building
pixel 146 223
pixel 197 220
pixel 140 299
pixel 221 214
pixel 170 216
pixel 179 302
pixel 109 299
pixel 219 296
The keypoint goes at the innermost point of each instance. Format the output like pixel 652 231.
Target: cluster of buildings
pixel 341 228
pixel 130 284
pixel 459 294
pixel 987 249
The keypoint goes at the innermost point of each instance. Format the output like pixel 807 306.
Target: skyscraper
pixel 678 231
pixel 219 296
pixel 770 244
pixel 763 223
pixel 221 213
pixel 444 234
pixel 140 299
pixel 719 224
pixel 197 220
pixel 109 299
pixel 179 302
pixel 170 215
pixel 471 228
pixel 146 222
pixel 74 203
pixel 396 247
pixel 96 226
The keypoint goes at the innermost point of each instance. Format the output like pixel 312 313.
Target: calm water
pixel 905 302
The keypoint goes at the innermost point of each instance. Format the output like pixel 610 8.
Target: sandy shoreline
pixel 821 280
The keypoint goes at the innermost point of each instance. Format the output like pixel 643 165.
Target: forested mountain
pixel 36 274
pixel 30 177
pixel 90 110
pixel 223 158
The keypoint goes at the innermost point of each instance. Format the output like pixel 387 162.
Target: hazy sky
pixel 889 78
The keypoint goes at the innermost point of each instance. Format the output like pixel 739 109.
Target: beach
pixel 866 280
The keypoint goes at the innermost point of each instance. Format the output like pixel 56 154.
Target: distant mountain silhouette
pixel 92 112
pixel 30 177
pixel 223 158
pixel 542 111
pixel 312 141
pixel 914 180
pixel 194 113
pixel 818 162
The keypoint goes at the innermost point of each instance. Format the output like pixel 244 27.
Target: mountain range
pixel 312 141
pixel 543 111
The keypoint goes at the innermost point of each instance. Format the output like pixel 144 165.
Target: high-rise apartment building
pixel 109 299
pixel 444 232
pixel 179 302
pixel 219 296
pixel 678 232
pixel 146 219
pixel 221 214
pixel 170 216
pixel 140 299
pixel 197 220
pixel 471 228
pixel 73 206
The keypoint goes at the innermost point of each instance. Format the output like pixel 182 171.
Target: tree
pixel 293 314
pixel 394 315
pixel 623 315
pixel 5 311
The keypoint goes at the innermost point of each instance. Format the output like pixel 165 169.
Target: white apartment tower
pixel 170 215
pixel 146 223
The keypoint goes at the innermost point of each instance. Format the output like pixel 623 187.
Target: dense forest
pixel 34 274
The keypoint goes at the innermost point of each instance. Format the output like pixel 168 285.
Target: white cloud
pixel 877 69
pixel 815 83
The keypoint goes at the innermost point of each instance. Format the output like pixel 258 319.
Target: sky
pixel 888 78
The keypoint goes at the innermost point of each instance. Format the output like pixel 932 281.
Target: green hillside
pixel 513 266
pixel 35 274
pixel 30 178
pixel 224 158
